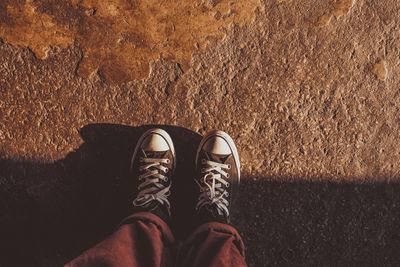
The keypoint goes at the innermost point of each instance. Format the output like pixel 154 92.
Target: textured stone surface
pixel 119 37
pixel 308 89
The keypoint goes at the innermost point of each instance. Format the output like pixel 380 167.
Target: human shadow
pixel 51 212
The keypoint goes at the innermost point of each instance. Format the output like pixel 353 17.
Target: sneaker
pixel 217 174
pixel 153 163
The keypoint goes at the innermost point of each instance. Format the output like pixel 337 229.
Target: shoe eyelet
pixel 227 194
pixel 228 184
pixel 167 161
pixel 227 175
pixel 203 161
pixel 229 166
pixel 166 170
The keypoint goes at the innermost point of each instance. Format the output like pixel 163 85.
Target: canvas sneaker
pixel 217 175
pixel 153 163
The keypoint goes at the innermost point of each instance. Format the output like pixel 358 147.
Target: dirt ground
pixel 309 90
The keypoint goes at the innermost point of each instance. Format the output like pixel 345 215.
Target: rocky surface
pixel 309 90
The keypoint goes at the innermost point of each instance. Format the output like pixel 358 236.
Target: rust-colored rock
pixel 300 99
pixel 121 37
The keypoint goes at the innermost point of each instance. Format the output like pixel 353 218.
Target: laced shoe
pixel 153 163
pixel 217 175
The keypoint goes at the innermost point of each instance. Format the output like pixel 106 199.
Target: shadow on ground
pixel 50 212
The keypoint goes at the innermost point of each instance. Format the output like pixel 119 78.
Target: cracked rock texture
pixel 300 99
pixel 309 90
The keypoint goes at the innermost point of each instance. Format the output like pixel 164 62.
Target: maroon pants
pixel 145 240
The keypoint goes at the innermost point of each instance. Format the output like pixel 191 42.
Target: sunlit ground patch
pixel 120 37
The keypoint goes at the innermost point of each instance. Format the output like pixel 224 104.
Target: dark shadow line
pixel 51 212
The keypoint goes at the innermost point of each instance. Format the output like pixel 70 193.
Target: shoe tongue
pixel 155 154
pixel 217 157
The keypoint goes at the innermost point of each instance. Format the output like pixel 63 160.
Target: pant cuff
pixel 219 227
pixel 151 218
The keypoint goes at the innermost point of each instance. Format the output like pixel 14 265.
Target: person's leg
pixel 215 242
pixel 144 238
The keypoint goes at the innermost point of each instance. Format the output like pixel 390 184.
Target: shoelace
pixel 150 187
pixel 213 190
